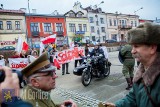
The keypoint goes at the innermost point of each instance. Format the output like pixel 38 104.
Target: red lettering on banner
pixel 21 65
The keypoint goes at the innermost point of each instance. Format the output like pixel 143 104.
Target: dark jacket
pixel 137 96
pixel 96 52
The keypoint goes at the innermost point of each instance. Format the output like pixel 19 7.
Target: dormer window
pixel 71 15
pixel 79 15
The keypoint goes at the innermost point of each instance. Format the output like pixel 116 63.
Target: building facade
pixel 119 24
pixel 12 25
pixel 41 25
pixel 77 26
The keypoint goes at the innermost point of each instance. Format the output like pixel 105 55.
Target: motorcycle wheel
pixel 86 78
pixel 107 71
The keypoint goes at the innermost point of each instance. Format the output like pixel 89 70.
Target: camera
pixel 22 82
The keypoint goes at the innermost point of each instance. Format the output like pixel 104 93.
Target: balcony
pixel 35 33
pixel 59 33
pixel 80 32
pixel 124 27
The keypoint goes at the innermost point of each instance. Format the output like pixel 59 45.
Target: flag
pixel 41 48
pixel 49 39
pixel 56 63
pixel 25 46
pixel 19 45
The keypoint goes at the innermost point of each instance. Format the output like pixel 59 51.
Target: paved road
pixel 109 89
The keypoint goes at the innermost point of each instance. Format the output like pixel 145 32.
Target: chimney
pixel 23 9
pixel 34 11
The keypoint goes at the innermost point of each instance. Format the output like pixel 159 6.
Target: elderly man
pixel 145 41
pixel 40 76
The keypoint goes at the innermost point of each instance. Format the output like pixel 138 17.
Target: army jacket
pixel 37 97
pixel 137 97
pixel 127 55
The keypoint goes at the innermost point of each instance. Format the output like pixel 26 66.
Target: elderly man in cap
pixel 40 75
pixel 145 41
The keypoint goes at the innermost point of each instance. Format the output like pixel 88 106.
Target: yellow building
pixel 12 25
pixel 77 26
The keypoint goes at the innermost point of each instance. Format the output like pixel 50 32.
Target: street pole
pixel 137 11
pixel 97 24
pixel 29 23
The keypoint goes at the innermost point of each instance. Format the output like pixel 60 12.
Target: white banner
pixel 18 63
pixel 69 54
pixel 2 63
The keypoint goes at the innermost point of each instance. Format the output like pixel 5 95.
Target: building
pixel 142 21
pixel 12 25
pixel 77 25
pixel 42 25
pixel 118 24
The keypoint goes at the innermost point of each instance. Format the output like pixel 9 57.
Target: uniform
pixel 128 64
pixel 37 97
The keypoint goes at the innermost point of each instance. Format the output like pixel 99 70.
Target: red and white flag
pixel 49 39
pixel 25 46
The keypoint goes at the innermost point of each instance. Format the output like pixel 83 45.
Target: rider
pixel 96 52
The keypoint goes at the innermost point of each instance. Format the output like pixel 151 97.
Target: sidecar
pixel 79 70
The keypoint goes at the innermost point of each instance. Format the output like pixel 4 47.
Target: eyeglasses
pixel 49 73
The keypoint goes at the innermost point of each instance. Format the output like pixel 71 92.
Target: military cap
pixel 147 33
pixel 41 64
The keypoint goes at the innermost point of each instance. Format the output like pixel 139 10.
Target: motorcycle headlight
pixel 75 70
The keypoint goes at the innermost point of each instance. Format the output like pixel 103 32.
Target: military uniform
pixel 33 95
pixel 128 64
pixel 37 97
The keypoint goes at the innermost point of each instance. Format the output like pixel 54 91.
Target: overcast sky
pixel 150 9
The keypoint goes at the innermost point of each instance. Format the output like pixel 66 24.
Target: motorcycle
pixel 89 69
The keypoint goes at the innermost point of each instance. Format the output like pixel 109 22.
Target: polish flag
pixel 25 46
pixel 49 39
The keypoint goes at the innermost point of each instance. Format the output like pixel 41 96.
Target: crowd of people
pixel 143 46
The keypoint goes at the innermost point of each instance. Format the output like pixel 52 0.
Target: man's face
pixel 46 81
pixel 142 53
pixel 96 46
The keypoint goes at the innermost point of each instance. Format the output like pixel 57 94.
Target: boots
pixel 129 82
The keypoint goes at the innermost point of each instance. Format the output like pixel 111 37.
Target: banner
pixel 18 63
pixel 2 63
pixel 69 55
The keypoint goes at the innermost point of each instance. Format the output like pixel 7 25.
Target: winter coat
pixel 137 96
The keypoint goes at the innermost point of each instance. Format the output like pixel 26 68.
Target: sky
pixel 149 11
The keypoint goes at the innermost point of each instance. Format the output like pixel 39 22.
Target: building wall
pixel 119 24
pixel 77 21
pixel 41 33
pixel 8 37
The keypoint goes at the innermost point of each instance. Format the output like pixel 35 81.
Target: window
pixel 34 27
pixel 17 25
pixel 1 25
pixel 47 27
pixel 72 27
pixel 102 20
pixel 103 29
pixel 110 22
pixel 92 29
pixel 115 22
pixel 91 20
pixel 80 27
pixel 98 32
pixel 79 15
pixel 71 15
pixel 131 23
pixel 135 23
pixel 93 38
pixel 9 25
pixel 59 26
pixel 85 27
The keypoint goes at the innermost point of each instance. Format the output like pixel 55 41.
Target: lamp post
pixel 97 24
pixel 135 14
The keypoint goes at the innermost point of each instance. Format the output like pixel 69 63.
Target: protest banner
pixel 18 63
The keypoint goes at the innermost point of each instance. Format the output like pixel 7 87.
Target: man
pixel 77 60
pixel 128 64
pixel 96 52
pixel 145 41
pixel 10 83
pixel 40 76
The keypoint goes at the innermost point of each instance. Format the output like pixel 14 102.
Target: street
pixel 108 89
